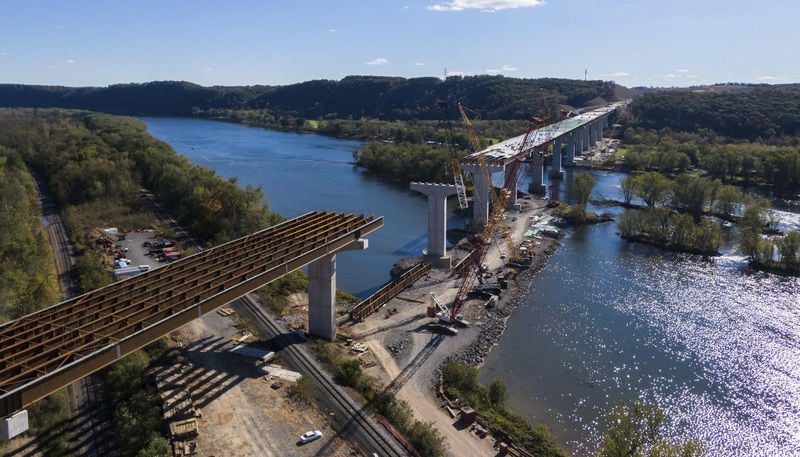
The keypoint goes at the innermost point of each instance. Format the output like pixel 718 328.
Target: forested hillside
pixel 385 98
pixel 27 268
pixel 761 113
pixel 94 165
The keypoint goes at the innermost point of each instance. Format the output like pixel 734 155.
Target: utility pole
pixel 585 73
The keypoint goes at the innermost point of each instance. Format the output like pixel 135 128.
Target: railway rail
pixel 352 420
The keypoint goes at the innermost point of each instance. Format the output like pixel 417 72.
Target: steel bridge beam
pixel 50 349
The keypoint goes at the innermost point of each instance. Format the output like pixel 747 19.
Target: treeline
pixel 740 162
pixel 27 269
pixel 353 97
pixel 674 210
pixel 675 216
pixel 95 164
pixel 778 254
pixel 764 114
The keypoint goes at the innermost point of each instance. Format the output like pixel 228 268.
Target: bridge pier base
pixel 322 293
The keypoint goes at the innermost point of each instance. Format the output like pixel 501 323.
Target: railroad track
pixel 91 432
pixel 352 420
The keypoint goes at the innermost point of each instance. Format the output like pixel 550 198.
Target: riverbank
pixel 404 355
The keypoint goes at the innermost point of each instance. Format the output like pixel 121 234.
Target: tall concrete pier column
pixel 322 293
pixel 557 171
pixel 481 200
pixel 598 131
pixel 437 219
pixel 584 135
pixel 569 159
pixel 537 173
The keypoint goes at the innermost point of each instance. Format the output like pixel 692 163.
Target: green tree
pixel 349 372
pixel 582 185
pixel 629 188
pixel 789 247
pixel 653 188
pixel 157 446
pixel 750 242
pixel 727 199
pixel 427 440
pixel 636 430
pixel 498 393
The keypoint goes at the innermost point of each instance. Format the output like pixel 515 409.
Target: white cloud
pixel 207 69
pixel 484 5
pixel 332 30
pixel 682 70
pixel 770 78
pixel 420 64
pixel 621 73
pixel 378 61
pixel 503 69
pixel 71 61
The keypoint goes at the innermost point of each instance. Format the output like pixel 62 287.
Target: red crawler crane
pixel 495 224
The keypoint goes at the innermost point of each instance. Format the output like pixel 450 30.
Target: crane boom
pixel 455 167
pixel 496 222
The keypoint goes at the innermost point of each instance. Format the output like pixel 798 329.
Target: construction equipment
pixel 494 226
pixel 458 177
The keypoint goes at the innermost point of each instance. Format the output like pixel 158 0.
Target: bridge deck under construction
pixel 47 350
pixel 505 151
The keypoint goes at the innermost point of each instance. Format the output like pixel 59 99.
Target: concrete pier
pixel 557 171
pixel 437 220
pixel 480 206
pixel 322 293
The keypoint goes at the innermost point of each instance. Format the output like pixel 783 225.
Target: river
pixel 716 347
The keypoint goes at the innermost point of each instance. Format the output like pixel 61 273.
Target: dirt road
pixel 400 344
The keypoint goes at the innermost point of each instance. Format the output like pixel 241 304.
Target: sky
pixel 651 43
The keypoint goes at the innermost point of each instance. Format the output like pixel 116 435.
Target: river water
pixel 302 173
pixel 716 347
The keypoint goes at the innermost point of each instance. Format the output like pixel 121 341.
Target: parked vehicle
pixel 310 436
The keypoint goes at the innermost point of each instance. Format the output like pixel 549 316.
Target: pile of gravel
pixel 400 347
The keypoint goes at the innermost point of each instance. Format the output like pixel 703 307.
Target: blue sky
pixel 660 43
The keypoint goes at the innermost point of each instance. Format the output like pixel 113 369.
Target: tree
pixel 789 246
pixel 653 188
pixel 727 199
pixel 349 372
pixel 157 446
pixel 629 188
pixel 690 194
pixel 497 392
pixel 636 430
pixel 427 440
pixel 582 185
